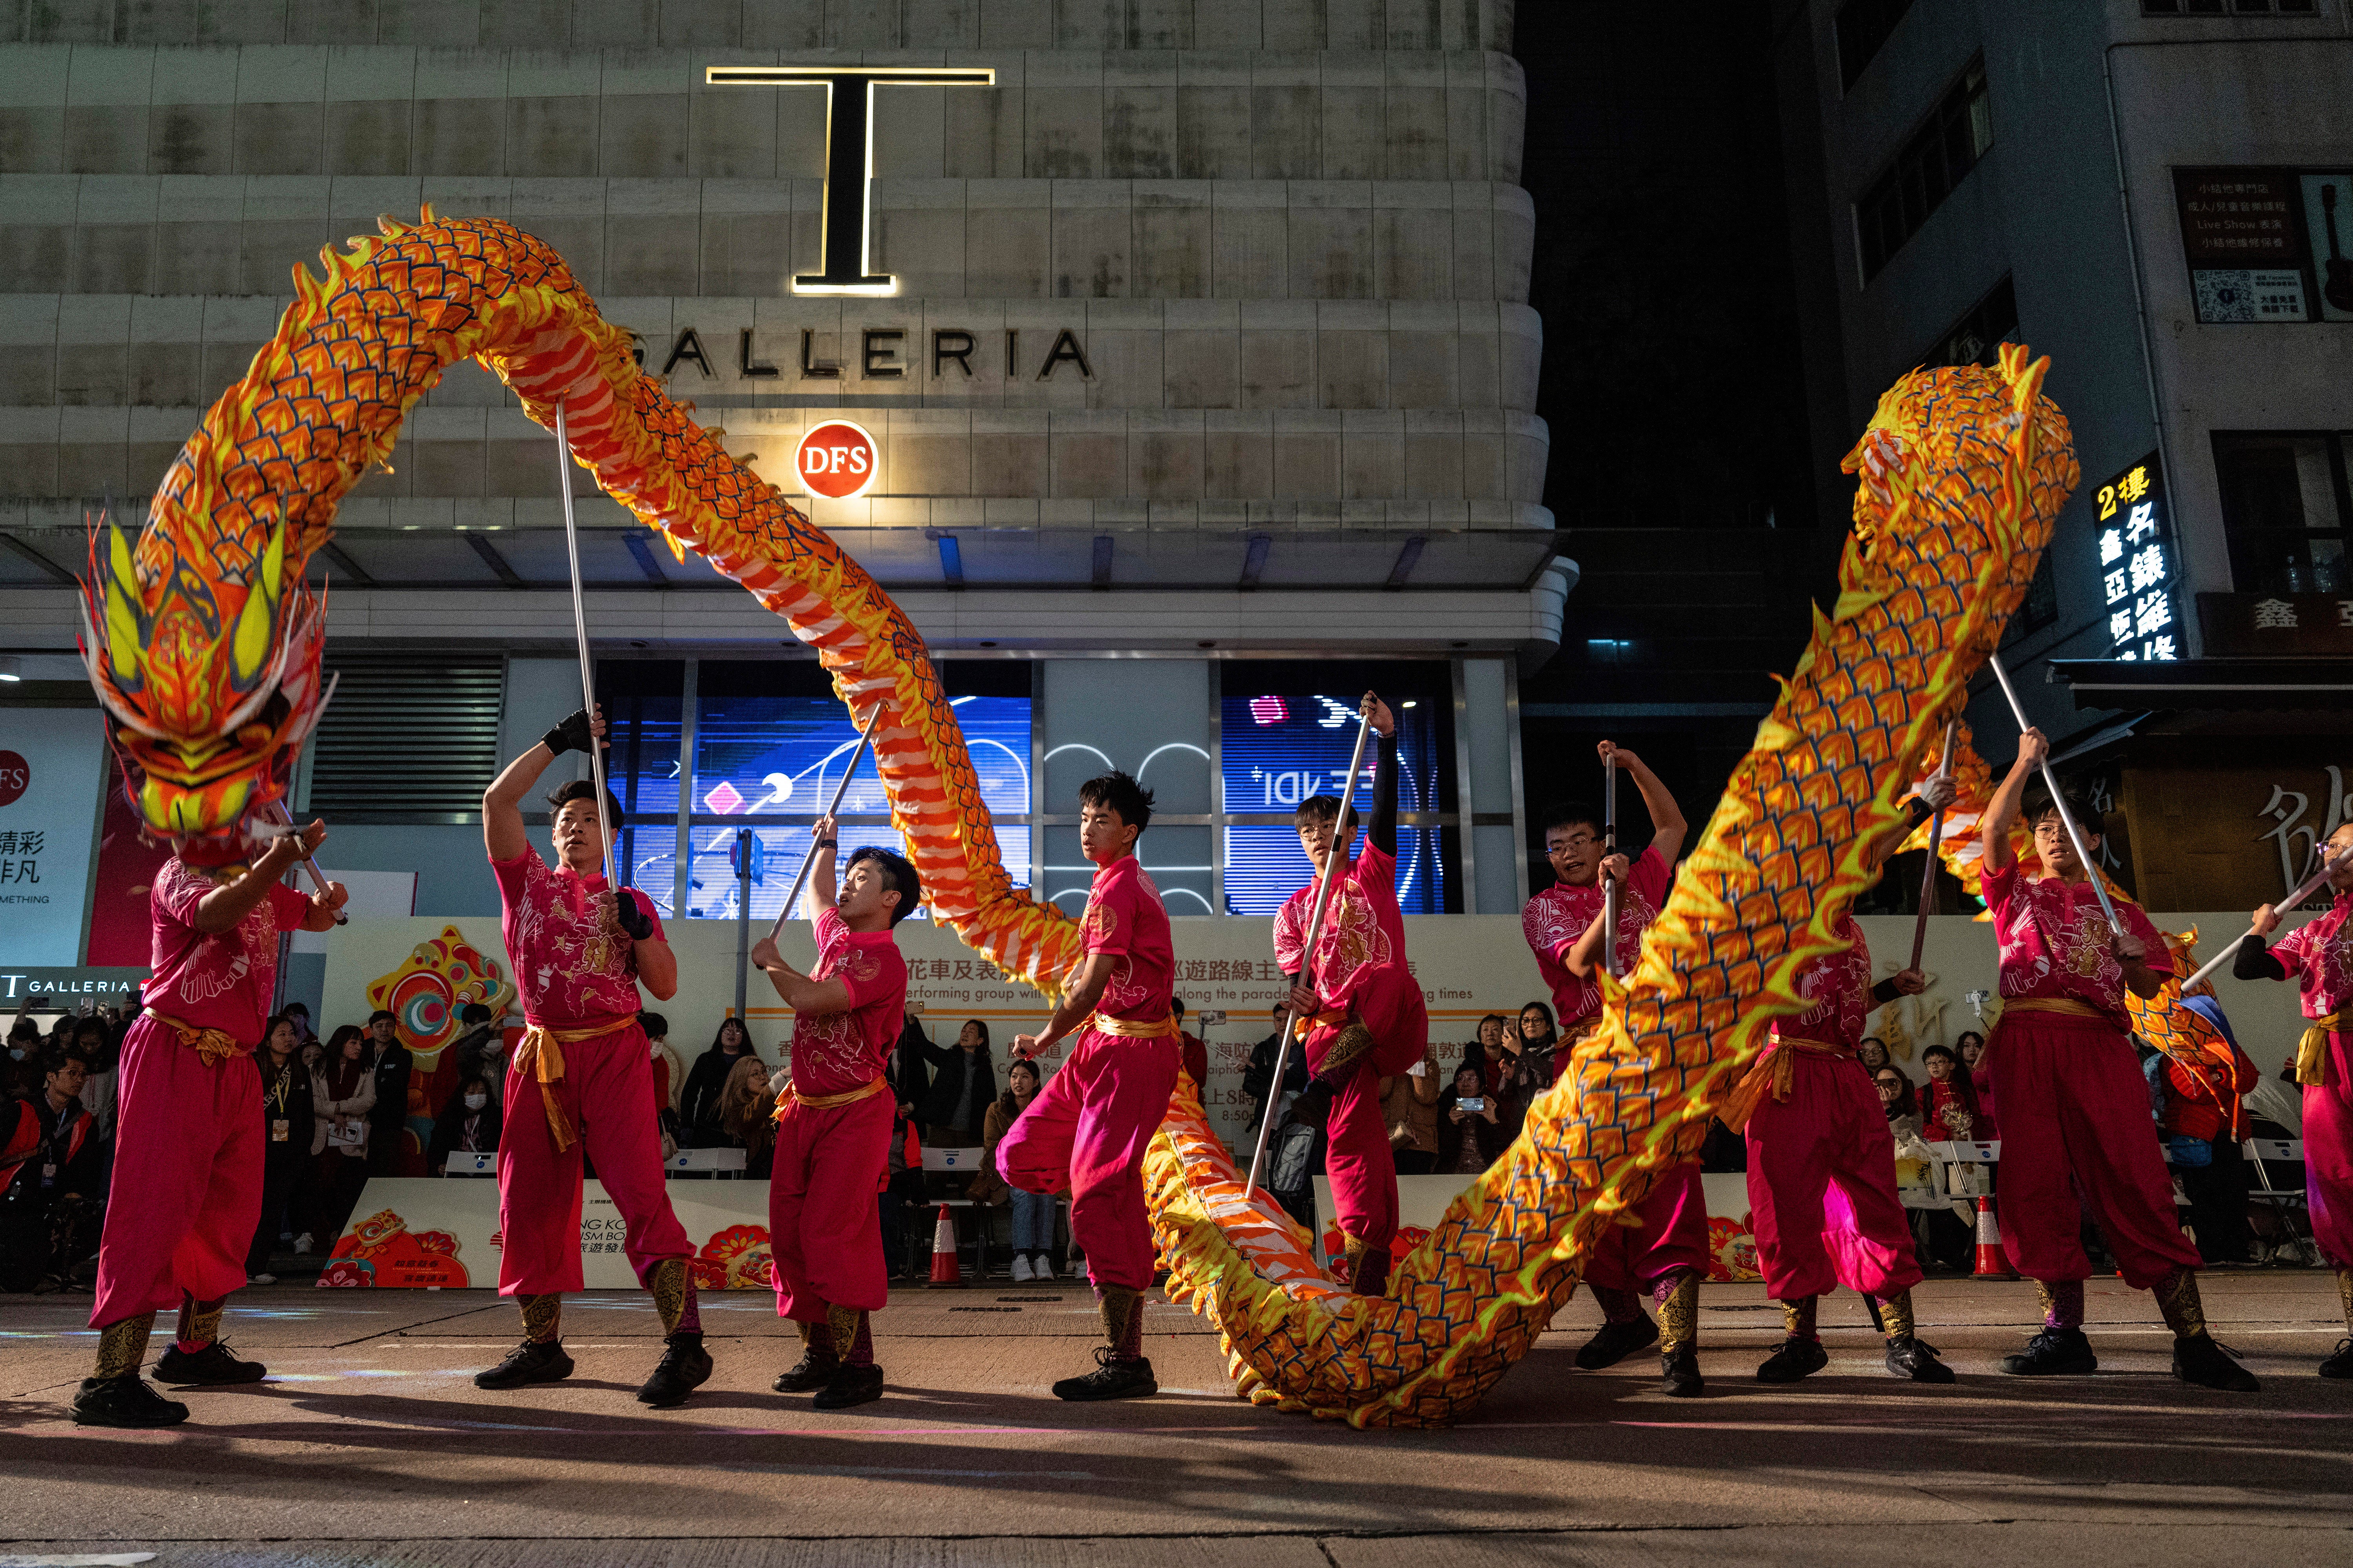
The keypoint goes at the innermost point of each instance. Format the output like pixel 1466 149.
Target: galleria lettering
pixel 882 356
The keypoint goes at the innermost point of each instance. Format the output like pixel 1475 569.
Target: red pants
pixel 1358 1159
pixel 2328 1154
pixel 1822 1186
pixel 1087 1130
pixel 823 1231
pixel 607 1089
pixel 1673 1235
pixel 187 1177
pixel 2076 1129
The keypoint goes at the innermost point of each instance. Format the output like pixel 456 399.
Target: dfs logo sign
pixel 837 459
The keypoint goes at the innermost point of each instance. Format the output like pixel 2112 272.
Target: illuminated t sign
pixel 849 154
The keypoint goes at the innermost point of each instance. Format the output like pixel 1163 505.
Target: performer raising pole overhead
pixel 1666 1251
pixel 1089 1127
pixel 1814 1123
pixel 834 1120
pixel 2318 956
pixel 1358 1010
pixel 187 1178
pixel 2074 1108
pixel 582 1074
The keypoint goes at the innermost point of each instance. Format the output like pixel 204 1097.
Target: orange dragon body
pixel 205 646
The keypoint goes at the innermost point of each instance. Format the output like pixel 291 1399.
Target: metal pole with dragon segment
pixel 2058 801
pixel 1935 837
pixel 606 831
pixel 1342 838
pixel 865 740
pixel 310 862
pixel 2303 890
pixel 1608 848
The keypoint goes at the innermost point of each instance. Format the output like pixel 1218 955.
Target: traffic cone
pixel 945 1272
pixel 1993 1263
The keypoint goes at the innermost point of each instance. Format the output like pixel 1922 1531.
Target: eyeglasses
pixel 1574 841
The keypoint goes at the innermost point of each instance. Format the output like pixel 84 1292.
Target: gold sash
pixel 539 1053
pixel 1330 1018
pixel 2312 1050
pixel 1163 1028
pixel 789 1097
pixel 214 1046
pixel 1775 1071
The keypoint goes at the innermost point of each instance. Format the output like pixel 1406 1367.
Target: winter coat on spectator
pixel 1491 1138
pixel 911 1079
pixel 33 1136
pixel 946 1105
pixel 988 1187
pixel 344 1089
pixel 1409 1106
pixel 286 1098
pixel 698 1103
pixel 458 1131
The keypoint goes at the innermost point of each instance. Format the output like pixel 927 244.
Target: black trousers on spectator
pixel 1416 1161
pixel 284 1190
pixel 335 1183
pixel 899 1213
pixel 2218 1203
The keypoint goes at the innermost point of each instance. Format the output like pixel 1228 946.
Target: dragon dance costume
pixel 1370 1023
pixel 1089 1127
pixel 833 1154
pixel 2318 956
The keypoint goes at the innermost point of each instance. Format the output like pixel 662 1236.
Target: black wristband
pixel 572 735
pixel 827 843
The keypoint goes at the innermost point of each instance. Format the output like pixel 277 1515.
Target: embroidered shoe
pixel 1110 1380
pixel 1615 1342
pixel 685 1367
pixel 1796 1358
pixel 211 1366
pixel 125 1401
pixel 1679 1374
pixel 533 1360
pixel 2341 1364
pixel 2198 1360
pixel 2053 1352
pixel 1911 1357
pixel 849 1386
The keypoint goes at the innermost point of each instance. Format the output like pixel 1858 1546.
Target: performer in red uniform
pixel 582 1073
pixel 1362 1018
pixel 2318 956
pixel 1821 1169
pixel 1665 1252
pixel 1088 1128
pixel 833 1121
pixel 2074 1108
pixel 188 1128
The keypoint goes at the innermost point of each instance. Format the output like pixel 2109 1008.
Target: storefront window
pixel 2284 510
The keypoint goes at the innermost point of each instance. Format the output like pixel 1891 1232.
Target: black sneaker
pixel 1910 1357
pixel 2341 1364
pixel 124 1401
pixel 533 1360
pixel 1615 1342
pixel 1679 1374
pixel 849 1386
pixel 210 1366
pixel 1795 1358
pixel 1110 1380
pixel 2053 1352
pixel 2198 1360
pixel 685 1367
pixel 1313 1104
pixel 812 1371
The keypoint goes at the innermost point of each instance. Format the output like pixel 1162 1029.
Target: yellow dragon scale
pixel 204 643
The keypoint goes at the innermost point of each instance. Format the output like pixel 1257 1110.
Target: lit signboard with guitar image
pixel 2267 244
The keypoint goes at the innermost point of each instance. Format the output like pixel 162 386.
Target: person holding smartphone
pixel 1471 1135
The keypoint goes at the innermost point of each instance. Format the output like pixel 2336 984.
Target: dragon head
pixel 210 676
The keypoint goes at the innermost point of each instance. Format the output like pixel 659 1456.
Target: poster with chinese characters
pixel 2137 564
pixel 50 767
pixel 2240 236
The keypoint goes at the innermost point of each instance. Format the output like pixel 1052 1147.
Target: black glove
pixel 636 923
pixel 572 735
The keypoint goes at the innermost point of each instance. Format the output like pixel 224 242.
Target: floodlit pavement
pixel 369 1445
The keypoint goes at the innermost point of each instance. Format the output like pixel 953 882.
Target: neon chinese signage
pixel 2139 565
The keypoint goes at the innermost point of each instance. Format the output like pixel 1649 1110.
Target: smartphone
pixel 1474 1103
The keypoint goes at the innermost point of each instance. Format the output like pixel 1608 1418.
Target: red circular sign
pixel 16 777
pixel 837 459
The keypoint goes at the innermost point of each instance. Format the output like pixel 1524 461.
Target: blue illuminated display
pixel 1280 748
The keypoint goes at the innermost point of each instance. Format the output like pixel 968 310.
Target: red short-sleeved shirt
pixel 835 1052
pixel 221 980
pixel 1839 987
pixel 573 964
pixel 1556 917
pixel 1125 916
pixel 2055 941
pixel 2318 956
